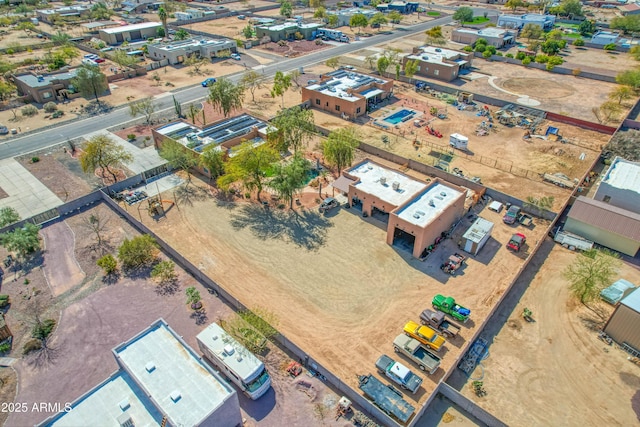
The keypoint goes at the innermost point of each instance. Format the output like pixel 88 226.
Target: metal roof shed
pixel 476 236
pixel 617 291
pixel 624 324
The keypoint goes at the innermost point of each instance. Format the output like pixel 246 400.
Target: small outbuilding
pixel 476 236
pixel 4 329
pixel 618 290
pixel 624 324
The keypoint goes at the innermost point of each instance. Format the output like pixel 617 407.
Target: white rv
pixel 237 363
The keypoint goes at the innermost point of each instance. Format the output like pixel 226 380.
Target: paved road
pixel 39 140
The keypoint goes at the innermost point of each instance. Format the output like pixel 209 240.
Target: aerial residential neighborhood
pixel 319 213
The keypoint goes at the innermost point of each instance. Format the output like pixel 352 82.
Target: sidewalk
pixel 143 159
pixel 26 194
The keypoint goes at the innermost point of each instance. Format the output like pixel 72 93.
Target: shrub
pixel 282 43
pixel 576 72
pixel 31 345
pixel 499 54
pixel 50 107
pixel 10 51
pixel 542 59
pixel 164 272
pixel 610 46
pixel 480 47
pixel 29 111
pixel 319 42
pixel 43 329
pixel 138 252
pixel 509 55
pixel 486 54
pixel 28 61
pixel 578 42
pixel 131 136
pixel 521 56
pixel 526 61
pixel 492 49
pixel 35 159
pixel 108 264
pixel 5 347
pixel 468 49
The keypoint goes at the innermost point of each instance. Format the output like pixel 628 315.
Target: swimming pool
pixel 399 116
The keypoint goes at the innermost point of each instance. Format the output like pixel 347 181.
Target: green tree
pixel 181 34
pixel 294 127
pixel 8 215
pixel 247 31
pixel 358 21
pixel 371 61
pixel 144 106
pixel 60 38
pixel 531 32
pixel 6 90
pixel 252 81
pixel 621 93
pixel 552 47
pixel 395 17
pixel 587 27
pixel 339 148
pixel 628 24
pixel 162 14
pixel 196 63
pixel 571 8
pixel 108 264
pixel 99 11
pixel 435 37
pixel 102 152
pixel 213 160
pixel 411 68
pixel 281 83
pixel 289 178
pixel 164 272
pixel 514 4
pixel 286 9
pixel 590 273
pixel 249 165
pixel 90 81
pixel 463 14
pixel 332 21
pixel 332 62
pixel 629 78
pixel 26 26
pixel 138 252
pixel 193 296
pixel 23 241
pixel 382 65
pixel 320 13
pixel 178 157
pixel 378 20
pixel 121 58
pixel 225 96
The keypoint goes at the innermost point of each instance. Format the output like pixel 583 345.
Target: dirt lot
pixel 296 263
pixel 555 371
pixel 82 355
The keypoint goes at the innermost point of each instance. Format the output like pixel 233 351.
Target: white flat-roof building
pixel 497 37
pixel 477 235
pixel 177 51
pixel 620 185
pixel 417 213
pixel 161 379
pixel 546 22
pixel 128 33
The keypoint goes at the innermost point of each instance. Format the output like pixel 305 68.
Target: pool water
pixel 313 173
pixel 398 116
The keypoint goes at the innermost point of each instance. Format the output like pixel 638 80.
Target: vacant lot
pixel 340 291
pixel 555 371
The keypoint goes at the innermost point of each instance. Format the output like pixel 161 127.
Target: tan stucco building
pixel 439 63
pixel 417 213
pixel 346 93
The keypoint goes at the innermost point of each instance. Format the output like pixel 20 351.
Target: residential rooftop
pixel 64 10
pixel 280 27
pixel 429 205
pixel 344 84
pixel 380 182
pixel 478 230
pixel 182 386
pixel 632 300
pixel 110 403
pixel 200 41
pixel 446 57
pixel 132 27
pixel 623 174
pixel 487 32
pixel 528 17
pixel 45 80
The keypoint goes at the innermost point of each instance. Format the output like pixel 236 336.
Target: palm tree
pixel 162 14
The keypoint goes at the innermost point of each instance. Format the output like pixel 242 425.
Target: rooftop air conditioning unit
pixel 228 349
pixel 383 180
pixel 432 203
pixel 443 194
pixel 396 186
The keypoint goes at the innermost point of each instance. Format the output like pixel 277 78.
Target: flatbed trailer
pixel 386 397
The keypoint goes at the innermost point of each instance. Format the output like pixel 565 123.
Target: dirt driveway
pixel 61 270
pixel 555 371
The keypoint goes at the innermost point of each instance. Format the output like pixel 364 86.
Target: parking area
pixel 339 291
pixel 24 192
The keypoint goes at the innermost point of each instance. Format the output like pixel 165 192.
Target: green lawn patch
pixel 478 20
pixel 432 13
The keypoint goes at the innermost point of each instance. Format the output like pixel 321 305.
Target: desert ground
pixel 113 312
pixel 555 371
pixel 294 263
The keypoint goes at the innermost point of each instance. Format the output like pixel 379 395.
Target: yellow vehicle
pixel 425 335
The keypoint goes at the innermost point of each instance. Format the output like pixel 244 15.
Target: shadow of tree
pixel 635 404
pixel 188 194
pixel 307 229
pixel 111 279
pixel 200 316
pixel 167 288
pixel 46 356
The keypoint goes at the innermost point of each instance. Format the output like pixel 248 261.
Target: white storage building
pixel 476 236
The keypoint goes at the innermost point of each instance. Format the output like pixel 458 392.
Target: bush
pixel 108 264
pixel 29 111
pixel 486 54
pixel 468 49
pixel 509 55
pixel 5 347
pixel 319 42
pixel 578 42
pixel 131 137
pixel 31 345
pixel 164 272
pixel 50 107
pixel 521 56
pixel 138 252
pixel 35 159
pixel 499 54
pixel 542 59
pixel 492 49
pixel 480 48
pixel 282 43
pixel 10 51
pixel 43 329
pixel 526 61
pixel 610 46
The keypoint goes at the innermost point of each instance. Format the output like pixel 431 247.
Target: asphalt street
pixel 76 128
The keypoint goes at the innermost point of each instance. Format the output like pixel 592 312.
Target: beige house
pixel 496 37
pixel 439 63
pixel 346 93
pixel 416 212
pixel 177 51
pixel 42 88
pixel 128 33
